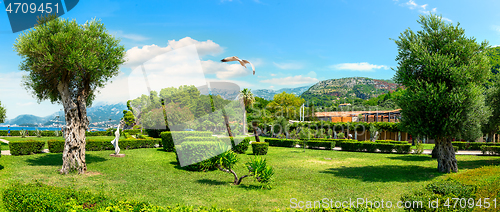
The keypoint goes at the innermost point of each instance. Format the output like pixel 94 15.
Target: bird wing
pixel 253 67
pixel 229 59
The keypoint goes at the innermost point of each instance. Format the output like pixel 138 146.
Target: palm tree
pixel 248 99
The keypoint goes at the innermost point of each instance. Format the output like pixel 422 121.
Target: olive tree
pixel 3 111
pixel 66 63
pixel 443 72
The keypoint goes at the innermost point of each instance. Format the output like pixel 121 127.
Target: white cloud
pixel 225 70
pixel 294 80
pixel 272 75
pixel 134 37
pixel 364 66
pixel 139 55
pixel 421 8
pixel 287 66
pixel 25 104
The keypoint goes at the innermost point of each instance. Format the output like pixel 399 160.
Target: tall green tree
pixel 66 63
pixel 491 126
pixel 3 111
pixel 286 105
pixel 248 99
pixel 443 72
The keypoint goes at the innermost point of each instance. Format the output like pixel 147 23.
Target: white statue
pixel 115 141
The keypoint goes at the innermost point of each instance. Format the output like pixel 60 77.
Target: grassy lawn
pixel 151 175
pixel 17 138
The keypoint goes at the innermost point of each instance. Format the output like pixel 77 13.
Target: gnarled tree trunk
pixel 445 155
pixel 254 124
pixel 76 125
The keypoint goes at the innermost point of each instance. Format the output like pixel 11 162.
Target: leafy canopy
pixel 443 72
pixel 61 51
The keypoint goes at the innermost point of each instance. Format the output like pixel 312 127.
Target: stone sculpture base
pixel 117 155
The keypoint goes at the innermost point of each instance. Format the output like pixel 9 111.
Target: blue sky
pixel 291 43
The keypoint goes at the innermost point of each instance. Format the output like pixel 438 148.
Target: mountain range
pixel 326 92
pixel 99 116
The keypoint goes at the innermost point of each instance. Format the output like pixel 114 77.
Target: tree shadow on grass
pixel 210 182
pixel 250 187
pixel 413 158
pixel 386 173
pixel 478 163
pixel 1 167
pixel 56 160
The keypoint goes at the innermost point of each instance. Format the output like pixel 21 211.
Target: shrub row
pixel 391 141
pixel 359 146
pixel 26 147
pixel 41 197
pixel 281 142
pixel 132 132
pixel 472 145
pixel 199 155
pixel 316 144
pixel 168 142
pixel 492 150
pixel 56 146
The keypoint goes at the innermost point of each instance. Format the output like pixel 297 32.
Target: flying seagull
pixel 242 62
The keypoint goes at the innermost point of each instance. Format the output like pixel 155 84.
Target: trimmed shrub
pixel 131 143
pixel 370 146
pixel 260 148
pixel 352 146
pixel 200 155
pixel 455 148
pixel 386 148
pixel 461 145
pixel 132 132
pixel 491 150
pixel 168 141
pixel 242 146
pixel 337 141
pixel 201 139
pixel 281 142
pixel 402 148
pixel 55 146
pixel 316 144
pixel 472 145
pixel 391 142
pixel 25 147
pixel 100 133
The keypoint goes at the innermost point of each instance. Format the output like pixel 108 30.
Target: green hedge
pixel 26 147
pixel 491 150
pixel 260 148
pixel 200 155
pixel 472 145
pixel 93 144
pixel 55 146
pixel 387 147
pixel 391 141
pixel 402 148
pixel 281 142
pixel 316 144
pixel 41 197
pixel 168 142
pixel 242 146
pixel 338 142
pixel 132 132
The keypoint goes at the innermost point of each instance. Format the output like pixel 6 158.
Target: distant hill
pixel 99 114
pixel 328 92
pixel 268 94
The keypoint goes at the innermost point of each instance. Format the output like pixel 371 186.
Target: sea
pixel 44 128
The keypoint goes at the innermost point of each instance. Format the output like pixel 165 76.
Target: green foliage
pixel 402 148
pixel 168 141
pixel 286 105
pixel 341 135
pixel 472 145
pixel 200 155
pixel 102 144
pixel 259 168
pixel 129 117
pixel 443 72
pixel 281 142
pixel 55 146
pixel 3 113
pixel 491 150
pixel 260 148
pixel 23 133
pixel 242 146
pixel 38 133
pixel 442 191
pixel 419 148
pixel 86 57
pixel 26 147
pixel 316 144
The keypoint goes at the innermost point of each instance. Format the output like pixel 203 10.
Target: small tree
pixel 2 113
pixel 67 63
pixel 443 73
pixel 257 168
